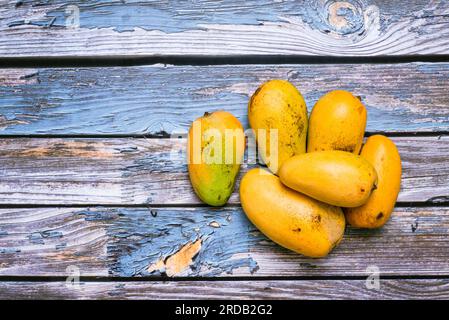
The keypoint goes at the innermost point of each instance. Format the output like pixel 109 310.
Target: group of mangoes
pixel 319 179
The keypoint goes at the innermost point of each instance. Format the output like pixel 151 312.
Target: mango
pixel 216 145
pixel 277 114
pixel 382 153
pixel 337 122
pixel 335 177
pixel 292 220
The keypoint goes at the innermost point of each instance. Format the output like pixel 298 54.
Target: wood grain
pixel 158 99
pixel 137 171
pixel 229 290
pixel 226 28
pixel 207 242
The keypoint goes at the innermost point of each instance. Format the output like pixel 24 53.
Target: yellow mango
pixel 277 113
pixel 337 122
pixel 216 145
pixel 292 220
pixel 382 153
pixel 335 177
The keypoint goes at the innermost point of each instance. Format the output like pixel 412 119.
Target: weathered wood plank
pixel 147 100
pixel 258 27
pixel 198 242
pixel 232 290
pixel 138 171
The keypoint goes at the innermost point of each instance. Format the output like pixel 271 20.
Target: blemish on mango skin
pixel 178 262
pixel 341 146
pixel 251 104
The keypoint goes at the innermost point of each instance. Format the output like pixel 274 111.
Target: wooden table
pixel 91 183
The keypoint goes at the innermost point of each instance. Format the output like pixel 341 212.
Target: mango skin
pixel 214 182
pixel 290 219
pixel 335 177
pixel 337 122
pixel 277 104
pixel 382 153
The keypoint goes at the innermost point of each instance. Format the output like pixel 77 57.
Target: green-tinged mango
pixel 382 153
pixel 277 113
pixel 337 122
pixel 216 145
pixel 335 177
pixel 291 219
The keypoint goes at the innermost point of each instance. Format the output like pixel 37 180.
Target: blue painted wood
pixel 134 242
pixel 228 27
pixel 162 99
pixel 142 238
pixel 178 15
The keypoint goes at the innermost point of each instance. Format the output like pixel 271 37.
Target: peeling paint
pixel 61 246
pixel 179 261
pixel 166 16
pixel 98 215
pixel 145 245
pixel 215 224
pixel 158 266
pixel 143 240
pixel 38 237
pixel 5 123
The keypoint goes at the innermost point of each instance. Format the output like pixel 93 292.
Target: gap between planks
pixel 101 279
pixel 186 60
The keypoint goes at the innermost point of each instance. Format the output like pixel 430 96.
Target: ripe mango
pixel 335 177
pixel 382 153
pixel 277 113
pixel 216 145
pixel 337 122
pixel 293 220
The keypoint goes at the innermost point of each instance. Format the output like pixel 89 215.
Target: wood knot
pixel 345 17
